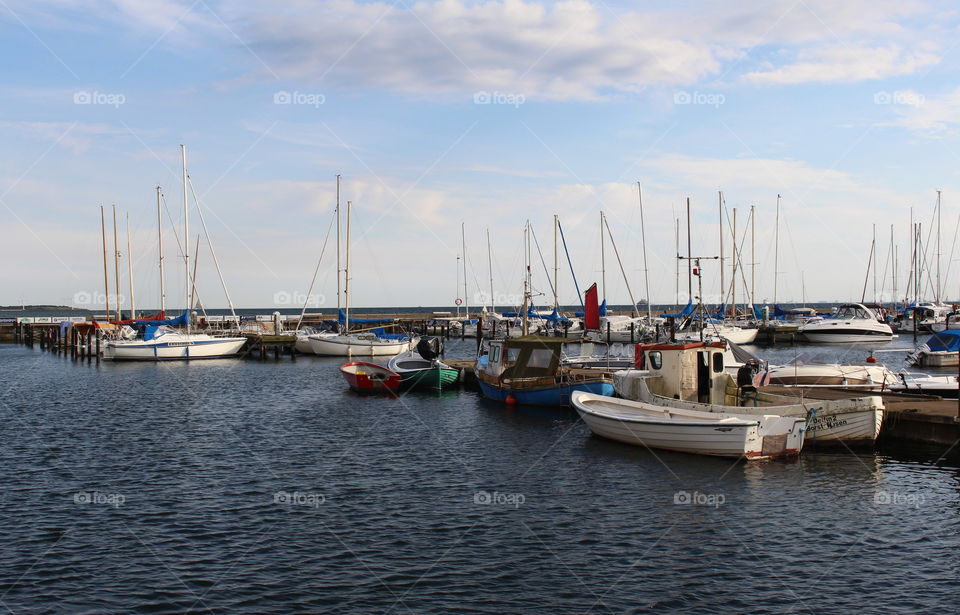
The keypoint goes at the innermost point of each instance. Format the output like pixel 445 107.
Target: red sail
pixel 591 309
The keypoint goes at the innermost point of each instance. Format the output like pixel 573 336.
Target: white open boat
pixel 690 431
pixel 358 345
pixel 692 376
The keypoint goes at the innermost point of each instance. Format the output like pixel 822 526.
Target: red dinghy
pixel 366 377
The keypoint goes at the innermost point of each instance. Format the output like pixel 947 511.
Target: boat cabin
pixel 692 372
pixel 854 311
pixel 529 356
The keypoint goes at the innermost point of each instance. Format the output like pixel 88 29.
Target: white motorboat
pixel 926 317
pixel 692 376
pixel 853 323
pixel 761 436
pixel 940 350
pixel 167 343
pixel 872 376
pixel 944 386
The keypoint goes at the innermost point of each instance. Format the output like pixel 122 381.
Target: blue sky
pixel 488 113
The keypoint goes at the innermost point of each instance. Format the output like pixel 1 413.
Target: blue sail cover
pixel 180 321
pixel 533 313
pixel 945 341
pixel 682 313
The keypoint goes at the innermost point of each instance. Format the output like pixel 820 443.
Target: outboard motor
pixel 430 347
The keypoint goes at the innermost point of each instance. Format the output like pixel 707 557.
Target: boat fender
pixel 510 400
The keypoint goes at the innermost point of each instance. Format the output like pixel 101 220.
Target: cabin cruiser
pixel 926 317
pixel 853 323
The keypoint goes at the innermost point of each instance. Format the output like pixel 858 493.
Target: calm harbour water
pixel 241 486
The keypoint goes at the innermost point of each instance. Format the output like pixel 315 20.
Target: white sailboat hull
pixel 358 346
pixel 174 346
pixel 686 431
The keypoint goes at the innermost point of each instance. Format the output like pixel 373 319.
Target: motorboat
pixel 360 344
pixel 760 436
pixel 853 323
pixel 872 376
pixel 422 369
pixel 940 350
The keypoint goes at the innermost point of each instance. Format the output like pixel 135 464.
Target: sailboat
pixel 363 343
pixel 158 341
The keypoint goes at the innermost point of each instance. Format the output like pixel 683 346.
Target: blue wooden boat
pixel 527 370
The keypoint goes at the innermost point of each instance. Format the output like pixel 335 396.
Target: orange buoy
pixel 871 358
pixel 510 400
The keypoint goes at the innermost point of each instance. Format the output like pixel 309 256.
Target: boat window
pixel 717 362
pixel 656 359
pixel 540 357
pixel 512 354
pixel 495 354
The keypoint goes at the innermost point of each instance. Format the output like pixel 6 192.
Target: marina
pixel 479 306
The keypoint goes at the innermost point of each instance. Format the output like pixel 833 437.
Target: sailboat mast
pixel 163 296
pixel 938 293
pixel 643 242
pixel 346 276
pixel 463 246
pixel 116 261
pixel 493 300
pixel 339 270
pixel 556 266
pixel 689 259
pixel 874 255
pixel 186 234
pixel 603 263
pixel 736 254
pixel 723 288
pixel 525 326
pixel 753 257
pixel 626 281
pixel 776 252
pixel 133 299
pixel 676 233
pixel 106 276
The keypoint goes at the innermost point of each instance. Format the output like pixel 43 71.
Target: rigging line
pixel 542 262
pixel 315 272
pixel 213 252
pixel 563 238
pixel 952 247
pixel 739 250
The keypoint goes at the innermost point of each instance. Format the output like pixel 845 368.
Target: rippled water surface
pixel 241 486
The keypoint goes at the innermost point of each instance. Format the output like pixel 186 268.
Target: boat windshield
pixel 851 312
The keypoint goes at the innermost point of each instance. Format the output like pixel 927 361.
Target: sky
pixel 450 119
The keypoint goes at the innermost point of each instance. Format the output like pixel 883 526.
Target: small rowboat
pixel 419 373
pixel 366 377
pixel 690 431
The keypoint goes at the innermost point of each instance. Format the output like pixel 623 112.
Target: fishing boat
pixel 366 377
pixel 528 370
pixel 853 323
pixel 692 376
pixel 421 369
pixel 691 431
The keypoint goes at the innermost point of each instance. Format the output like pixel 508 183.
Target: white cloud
pixel 930 116
pixel 844 64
